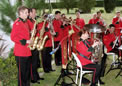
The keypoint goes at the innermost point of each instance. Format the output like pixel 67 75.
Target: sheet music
pixel 120 47
pixel 115 42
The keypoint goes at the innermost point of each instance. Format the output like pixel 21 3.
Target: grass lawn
pixel 109 79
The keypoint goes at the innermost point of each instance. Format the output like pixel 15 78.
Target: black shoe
pixel 85 81
pixel 40 78
pixel 101 82
pixel 47 71
pixel 52 70
pixel 33 81
pixel 93 84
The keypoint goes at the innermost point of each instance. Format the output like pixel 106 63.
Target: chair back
pixel 77 60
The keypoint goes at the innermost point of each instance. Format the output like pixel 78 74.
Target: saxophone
pixel 33 33
pixel 42 39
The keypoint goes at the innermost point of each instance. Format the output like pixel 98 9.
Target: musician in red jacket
pixel 109 40
pixel 117 21
pixel 21 37
pixel 35 53
pixel 47 48
pixel 58 28
pixel 84 50
pixel 92 20
pixel 99 20
pixel 79 22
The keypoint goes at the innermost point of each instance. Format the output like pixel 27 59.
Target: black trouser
pixel 35 65
pixel 46 59
pixel 57 54
pixel 96 71
pixel 23 64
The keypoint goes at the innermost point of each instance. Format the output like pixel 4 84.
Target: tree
pixel 8 14
pixel 86 5
pixel 68 4
pixel 109 5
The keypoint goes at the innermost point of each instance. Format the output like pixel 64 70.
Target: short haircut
pixel 82 31
pixel 111 25
pixel 98 12
pixel 78 11
pixel 57 12
pixel 21 8
pixel 31 10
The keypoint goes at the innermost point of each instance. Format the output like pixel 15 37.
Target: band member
pixel 92 21
pixel 117 21
pixel 58 28
pixel 84 51
pixel 21 37
pixel 99 20
pixel 79 22
pixel 35 53
pixel 109 40
pixel 45 53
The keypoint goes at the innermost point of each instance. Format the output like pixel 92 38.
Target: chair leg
pixel 98 83
pixel 77 76
pixel 80 78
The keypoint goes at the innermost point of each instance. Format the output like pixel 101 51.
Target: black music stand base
pixel 62 76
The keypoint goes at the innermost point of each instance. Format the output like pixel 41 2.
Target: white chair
pixel 82 72
pixel 112 54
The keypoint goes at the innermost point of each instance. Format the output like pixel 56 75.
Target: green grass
pixel 109 79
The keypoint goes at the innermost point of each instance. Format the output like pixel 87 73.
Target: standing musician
pixel 84 50
pixel 45 53
pixel 109 39
pixel 20 35
pixel 35 53
pixel 58 28
pixel 92 21
pixel 117 21
pixel 79 22
pixel 99 20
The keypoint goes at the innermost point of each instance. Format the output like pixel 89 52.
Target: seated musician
pixel 109 40
pixel 84 51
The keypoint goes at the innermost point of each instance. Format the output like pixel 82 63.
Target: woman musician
pixel 84 50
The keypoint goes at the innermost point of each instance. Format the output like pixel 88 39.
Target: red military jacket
pixel 107 40
pixel 100 22
pixel 118 26
pixel 58 29
pixel 48 42
pixel 19 32
pixel 31 23
pixel 80 23
pixel 92 21
pixel 83 49
pixel 66 30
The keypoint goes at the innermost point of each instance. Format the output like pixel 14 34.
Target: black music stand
pixel 118 63
pixel 64 73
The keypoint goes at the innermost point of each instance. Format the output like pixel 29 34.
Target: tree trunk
pixel 67 10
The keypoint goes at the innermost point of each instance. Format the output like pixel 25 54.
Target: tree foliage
pixel 67 4
pixel 109 5
pixel 86 5
pixel 8 14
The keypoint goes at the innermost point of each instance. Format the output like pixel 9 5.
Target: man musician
pixel 117 21
pixel 20 35
pixel 35 53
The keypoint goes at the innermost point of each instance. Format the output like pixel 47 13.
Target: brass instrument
pixel 41 39
pixel 33 33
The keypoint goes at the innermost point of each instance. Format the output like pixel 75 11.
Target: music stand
pixel 119 63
